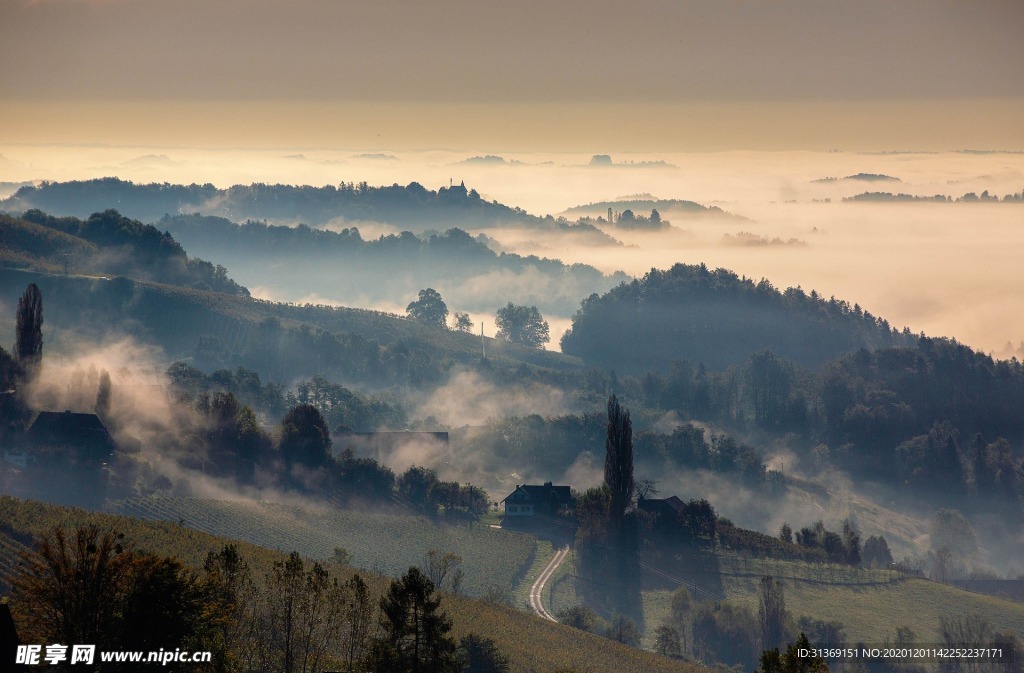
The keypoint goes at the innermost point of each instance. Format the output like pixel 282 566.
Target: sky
pixel 530 75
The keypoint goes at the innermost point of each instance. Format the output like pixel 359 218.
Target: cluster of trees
pixel 838 547
pixel 688 446
pixel 522 325
pixel 228 440
pixel 91 586
pixel 126 247
pixel 188 382
pixel 628 220
pixel 620 628
pixel 727 633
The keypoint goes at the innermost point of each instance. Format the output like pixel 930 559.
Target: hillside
pixel 533 645
pixel 718 319
pixel 281 341
pixel 301 261
pixel 106 244
pixel 494 559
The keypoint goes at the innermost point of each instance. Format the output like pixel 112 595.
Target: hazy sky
pixel 698 75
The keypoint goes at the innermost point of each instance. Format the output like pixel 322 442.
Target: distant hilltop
pixel 862 177
pixel 638 204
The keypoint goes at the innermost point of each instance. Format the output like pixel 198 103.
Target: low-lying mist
pixel 945 269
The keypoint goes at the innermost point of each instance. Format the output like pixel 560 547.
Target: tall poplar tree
pixel 618 462
pixel 28 344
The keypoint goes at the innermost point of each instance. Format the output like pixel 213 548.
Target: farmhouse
pixel 530 500
pixel 65 436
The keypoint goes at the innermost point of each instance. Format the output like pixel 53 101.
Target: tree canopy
pixel 522 325
pixel 429 309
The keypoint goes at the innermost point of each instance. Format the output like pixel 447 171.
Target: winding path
pixel 538 586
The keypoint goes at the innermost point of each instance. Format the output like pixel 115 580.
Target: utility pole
pixel 483 344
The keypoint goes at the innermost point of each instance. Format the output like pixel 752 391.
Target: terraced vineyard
pixel 384 543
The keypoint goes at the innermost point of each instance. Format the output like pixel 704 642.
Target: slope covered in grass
pixel 385 543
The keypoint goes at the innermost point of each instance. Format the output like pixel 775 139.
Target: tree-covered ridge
pixel 107 243
pixel 297 261
pixel 454 250
pixel 717 318
pixel 412 204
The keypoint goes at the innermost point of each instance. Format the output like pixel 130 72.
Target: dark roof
pixel 544 493
pixel 56 428
pixel 670 505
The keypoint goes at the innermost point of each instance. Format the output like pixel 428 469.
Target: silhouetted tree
pixel 357 614
pixel 429 309
pixel 876 553
pixel 305 438
pixel 481 655
pixel 28 343
pixel 666 642
pixel 618 462
pixel 790 661
pixel 623 630
pixel 772 610
pixel 522 325
pixel 415 636
pixel 463 322
pixel 86 587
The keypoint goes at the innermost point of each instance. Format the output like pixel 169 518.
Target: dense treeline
pixel 107 243
pixel 395 204
pixel 717 318
pixel 304 260
pixel 935 417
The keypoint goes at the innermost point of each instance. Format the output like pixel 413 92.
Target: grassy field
pixel 532 644
pixel 872 614
pixel 384 543
pixel 869 612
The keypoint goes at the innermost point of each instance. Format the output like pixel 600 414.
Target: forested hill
pixel 106 244
pixel 341 264
pixel 410 206
pixel 718 319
